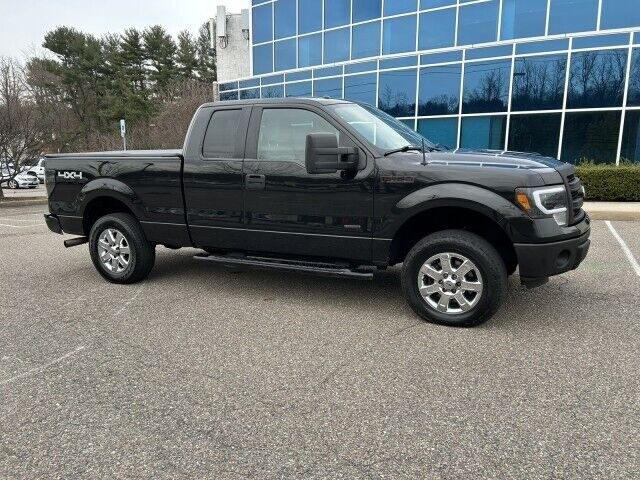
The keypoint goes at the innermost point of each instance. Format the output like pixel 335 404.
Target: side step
pixel 270 263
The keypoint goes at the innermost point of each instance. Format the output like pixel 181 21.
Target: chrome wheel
pixel 450 283
pixel 13 184
pixel 114 251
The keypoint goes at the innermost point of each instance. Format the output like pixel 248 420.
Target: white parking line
pixel 40 369
pixel 625 248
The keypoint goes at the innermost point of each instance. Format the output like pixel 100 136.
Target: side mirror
pixel 322 154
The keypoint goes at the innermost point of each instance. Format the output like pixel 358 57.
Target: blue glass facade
pixel 560 77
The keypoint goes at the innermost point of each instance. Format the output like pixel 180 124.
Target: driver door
pixel 289 211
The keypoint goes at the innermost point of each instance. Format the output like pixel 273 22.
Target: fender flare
pixel 111 188
pixel 471 197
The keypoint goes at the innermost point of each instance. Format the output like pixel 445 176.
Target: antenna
pixel 424 155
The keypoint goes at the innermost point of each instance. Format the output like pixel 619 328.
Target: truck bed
pixel 148 182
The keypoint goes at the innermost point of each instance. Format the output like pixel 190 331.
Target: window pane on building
pixel 299 89
pixel 337 45
pixel 424 4
pixel 284 18
pixel 535 133
pixel 591 136
pixel 263 59
pixel 397 93
pixel 396 7
pixel 366 40
pixel 486 87
pixel 633 99
pixel 597 79
pixel 262 24
pixel 478 23
pixel 441 131
pixel 483 132
pixel 523 18
pixel 361 88
pixel 366 10
pixel 538 83
pixel 309 50
pixel 285 54
pixel 228 96
pixel 631 137
pixel 620 14
pixel 439 90
pixel 573 16
pixel 273 91
pixel 437 29
pixel 399 35
pixel 328 87
pixel 336 13
pixel 309 16
pixel 249 94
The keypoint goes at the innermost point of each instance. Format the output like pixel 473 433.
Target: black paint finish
pixel 183 198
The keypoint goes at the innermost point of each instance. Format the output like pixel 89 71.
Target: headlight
pixel 544 203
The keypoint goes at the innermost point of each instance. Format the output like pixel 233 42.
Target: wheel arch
pixel 459 215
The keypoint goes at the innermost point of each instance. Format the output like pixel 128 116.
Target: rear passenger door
pixel 289 211
pixel 213 176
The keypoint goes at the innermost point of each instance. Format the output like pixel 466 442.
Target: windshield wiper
pixel 406 148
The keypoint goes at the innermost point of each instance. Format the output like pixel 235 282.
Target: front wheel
pixel 454 278
pixel 13 184
pixel 119 249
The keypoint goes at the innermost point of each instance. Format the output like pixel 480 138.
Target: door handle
pixel 255 182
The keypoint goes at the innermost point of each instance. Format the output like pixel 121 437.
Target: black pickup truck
pixel 330 187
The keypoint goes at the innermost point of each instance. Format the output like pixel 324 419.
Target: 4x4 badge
pixel 70 175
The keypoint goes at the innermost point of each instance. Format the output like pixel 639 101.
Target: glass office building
pixel 557 77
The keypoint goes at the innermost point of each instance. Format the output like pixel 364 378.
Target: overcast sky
pixel 23 23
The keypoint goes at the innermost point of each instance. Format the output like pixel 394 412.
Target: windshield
pixel 378 128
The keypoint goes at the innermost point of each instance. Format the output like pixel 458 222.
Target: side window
pixel 220 138
pixel 283 133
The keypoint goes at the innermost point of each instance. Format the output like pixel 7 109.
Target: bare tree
pixel 21 129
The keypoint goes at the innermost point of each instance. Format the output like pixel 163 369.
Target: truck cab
pixel 332 187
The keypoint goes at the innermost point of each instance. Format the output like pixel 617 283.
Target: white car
pixel 38 170
pixel 22 180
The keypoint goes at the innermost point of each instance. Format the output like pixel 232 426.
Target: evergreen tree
pixel 80 58
pixel 187 55
pixel 133 58
pixel 206 56
pixel 160 50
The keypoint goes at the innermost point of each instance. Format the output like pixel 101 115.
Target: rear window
pixel 220 138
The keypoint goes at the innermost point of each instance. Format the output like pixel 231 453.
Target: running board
pixel 269 263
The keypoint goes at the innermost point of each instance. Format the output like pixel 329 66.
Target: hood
pixel 496 159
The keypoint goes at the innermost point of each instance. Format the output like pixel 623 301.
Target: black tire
pixel 478 251
pixel 142 253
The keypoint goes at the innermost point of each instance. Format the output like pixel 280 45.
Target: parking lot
pixel 207 372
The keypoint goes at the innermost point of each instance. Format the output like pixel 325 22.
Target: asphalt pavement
pixel 205 372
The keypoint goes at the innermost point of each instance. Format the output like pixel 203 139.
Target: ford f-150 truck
pixel 331 187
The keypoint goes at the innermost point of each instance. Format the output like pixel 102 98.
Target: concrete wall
pixel 233 60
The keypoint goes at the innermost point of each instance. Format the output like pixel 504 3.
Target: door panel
pixel 293 212
pixel 213 178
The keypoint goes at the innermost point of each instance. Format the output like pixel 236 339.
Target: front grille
pixel 576 195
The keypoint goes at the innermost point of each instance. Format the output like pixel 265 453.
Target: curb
pixel 612 215
pixel 621 211
pixel 22 202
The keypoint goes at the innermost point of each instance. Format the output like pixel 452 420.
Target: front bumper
pixel 540 261
pixel 53 222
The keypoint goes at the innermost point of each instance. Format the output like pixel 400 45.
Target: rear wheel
pixel 454 278
pixel 119 249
